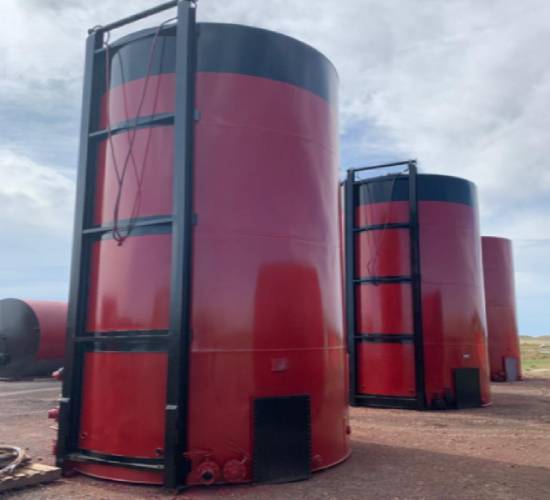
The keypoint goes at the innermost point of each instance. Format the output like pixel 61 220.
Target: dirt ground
pixel 501 452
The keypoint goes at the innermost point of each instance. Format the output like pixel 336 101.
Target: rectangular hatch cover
pixel 282 439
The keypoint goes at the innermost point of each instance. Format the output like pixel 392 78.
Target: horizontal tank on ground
pixel 32 337
pixel 500 299
pixel 210 346
pixel 415 307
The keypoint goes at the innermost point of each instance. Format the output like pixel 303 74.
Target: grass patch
pixel 535 353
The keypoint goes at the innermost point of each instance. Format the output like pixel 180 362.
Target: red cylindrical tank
pixel 500 300
pixel 266 299
pixel 32 337
pixel 452 306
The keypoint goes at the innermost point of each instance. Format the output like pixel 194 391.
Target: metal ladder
pixel 175 341
pixel 352 282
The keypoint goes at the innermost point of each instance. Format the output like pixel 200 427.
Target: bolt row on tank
pixel 227 300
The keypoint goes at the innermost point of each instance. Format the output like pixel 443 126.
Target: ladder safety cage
pixel 175 341
pixel 352 281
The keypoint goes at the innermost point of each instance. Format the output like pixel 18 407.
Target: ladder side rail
pixel 176 465
pixel 416 286
pixel 69 402
pixel 350 288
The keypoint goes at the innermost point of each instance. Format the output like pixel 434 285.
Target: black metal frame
pixel 176 341
pixel 351 281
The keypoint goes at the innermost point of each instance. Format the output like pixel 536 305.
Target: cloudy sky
pixel 461 85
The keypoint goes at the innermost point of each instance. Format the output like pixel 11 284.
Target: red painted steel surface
pixel 452 299
pixel 267 298
pixel 146 190
pixel 125 100
pixel 452 296
pixel 130 284
pixel 266 290
pixel 383 253
pixel 52 318
pixel 498 269
pixel 384 309
pixel 393 364
pixel 120 381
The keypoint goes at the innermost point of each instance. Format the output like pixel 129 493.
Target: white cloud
pixel 36 205
pixel 531 265
pixel 33 196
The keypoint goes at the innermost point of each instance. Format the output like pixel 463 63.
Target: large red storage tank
pixel 266 397
pixel 32 337
pixel 500 299
pixel 433 355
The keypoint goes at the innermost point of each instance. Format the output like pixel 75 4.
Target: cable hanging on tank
pixel 117 231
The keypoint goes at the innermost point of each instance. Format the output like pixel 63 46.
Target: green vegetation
pixel 535 352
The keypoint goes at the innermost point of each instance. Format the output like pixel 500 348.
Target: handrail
pixel 139 15
pixel 383 165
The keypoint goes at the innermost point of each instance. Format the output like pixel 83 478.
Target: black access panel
pixel 282 439
pixel 467 387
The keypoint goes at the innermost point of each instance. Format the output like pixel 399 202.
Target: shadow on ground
pixel 372 472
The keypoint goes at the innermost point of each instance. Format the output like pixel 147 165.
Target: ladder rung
pixel 134 463
pixel 161 336
pixel 136 17
pixel 375 227
pixel 386 401
pixel 384 279
pixel 383 165
pixel 385 337
pixel 141 122
pixel 382 178
pixel 123 225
